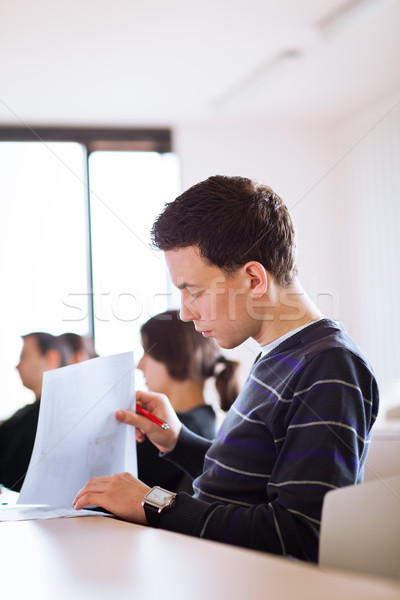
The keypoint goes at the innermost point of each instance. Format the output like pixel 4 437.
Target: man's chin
pixel 226 344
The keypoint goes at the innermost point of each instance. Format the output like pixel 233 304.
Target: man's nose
pixel 185 314
pixel 187 311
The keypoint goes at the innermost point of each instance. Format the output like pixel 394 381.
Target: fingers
pixel 131 418
pixel 159 406
pixel 125 416
pixel 151 400
pixel 91 493
pixel 128 417
pixel 85 500
pixel 140 436
pixel 121 494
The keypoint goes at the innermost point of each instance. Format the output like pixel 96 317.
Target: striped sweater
pixel 299 428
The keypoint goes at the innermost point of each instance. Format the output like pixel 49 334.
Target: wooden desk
pixel 97 558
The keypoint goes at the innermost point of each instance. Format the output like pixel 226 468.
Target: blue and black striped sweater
pixel 299 428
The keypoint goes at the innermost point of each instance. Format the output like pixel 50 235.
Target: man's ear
pixel 53 359
pixel 257 276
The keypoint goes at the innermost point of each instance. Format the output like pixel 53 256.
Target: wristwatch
pixel 155 502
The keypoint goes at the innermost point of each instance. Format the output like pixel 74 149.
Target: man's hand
pixel 120 494
pixel 158 405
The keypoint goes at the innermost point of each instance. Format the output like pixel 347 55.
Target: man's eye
pixel 196 294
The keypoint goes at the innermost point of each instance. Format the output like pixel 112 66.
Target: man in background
pixel 41 352
pixel 79 347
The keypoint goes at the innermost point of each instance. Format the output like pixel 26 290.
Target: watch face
pixel 159 496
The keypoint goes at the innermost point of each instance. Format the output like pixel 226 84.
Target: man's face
pixel 31 365
pixel 214 301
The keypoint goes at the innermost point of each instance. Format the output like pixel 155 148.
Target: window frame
pixel 94 139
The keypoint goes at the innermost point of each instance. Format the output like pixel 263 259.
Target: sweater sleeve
pixel 321 442
pixel 154 471
pixel 189 452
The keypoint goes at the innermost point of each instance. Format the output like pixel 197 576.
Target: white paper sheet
pixel 78 436
pixel 29 512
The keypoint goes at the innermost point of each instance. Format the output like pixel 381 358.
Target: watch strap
pixel 152 514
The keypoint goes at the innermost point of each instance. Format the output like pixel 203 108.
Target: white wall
pixel 367 188
pixel 341 182
pixel 291 159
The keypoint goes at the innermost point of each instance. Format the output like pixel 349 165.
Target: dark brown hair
pixel 232 220
pixel 188 355
pixel 75 343
pixel 46 342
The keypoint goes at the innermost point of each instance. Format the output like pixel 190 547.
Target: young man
pixel 40 352
pixel 300 425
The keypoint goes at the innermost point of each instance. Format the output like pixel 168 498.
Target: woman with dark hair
pixel 177 362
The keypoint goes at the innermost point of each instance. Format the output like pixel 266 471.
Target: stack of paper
pixel 78 436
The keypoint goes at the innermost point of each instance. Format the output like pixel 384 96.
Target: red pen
pixel 146 413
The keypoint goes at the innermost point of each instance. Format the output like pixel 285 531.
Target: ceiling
pixel 168 62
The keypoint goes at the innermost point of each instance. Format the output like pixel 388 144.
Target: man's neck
pixel 285 309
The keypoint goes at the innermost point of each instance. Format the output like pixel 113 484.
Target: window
pixel 76 261
pixel 128 191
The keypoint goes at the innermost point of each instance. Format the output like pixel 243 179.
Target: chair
pixel 393 413
pixel 383 459
pixel 360 528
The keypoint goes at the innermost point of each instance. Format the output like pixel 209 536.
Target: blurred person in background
pixel 78 347
pixel 177 362
pixel 41 352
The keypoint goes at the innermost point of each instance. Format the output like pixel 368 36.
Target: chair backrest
pixel 393 413
pixel 360 528
pixel 383 458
